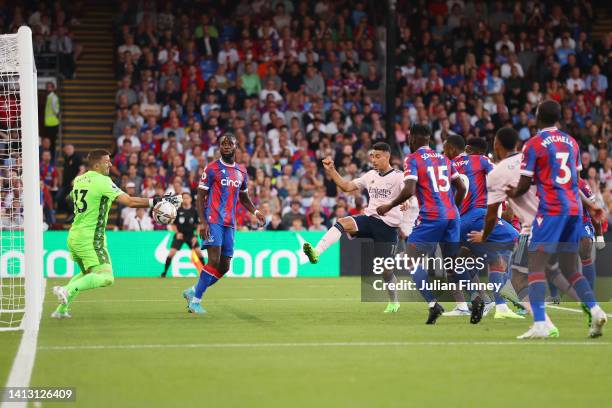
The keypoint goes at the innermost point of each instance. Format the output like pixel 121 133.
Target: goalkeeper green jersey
pixel 93 195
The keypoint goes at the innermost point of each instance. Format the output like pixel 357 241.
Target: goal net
pixel 21 274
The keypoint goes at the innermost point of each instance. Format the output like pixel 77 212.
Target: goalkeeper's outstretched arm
pixel 134 202
pixel 140 202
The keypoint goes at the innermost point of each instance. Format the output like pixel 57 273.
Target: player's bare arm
pixel 405 194
pixel 134 202
pixel 201 200
pixel 344 185
pixel 508 214
pixel 460 191
pixel 245 200
pixel 597 213
pixel 404 206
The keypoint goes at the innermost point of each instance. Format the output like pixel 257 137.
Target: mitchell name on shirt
pixel 556 138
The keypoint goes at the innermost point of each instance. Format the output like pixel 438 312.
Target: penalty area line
pixel 551 343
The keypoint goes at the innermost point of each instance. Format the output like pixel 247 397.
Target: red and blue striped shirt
pixel 473 170
pixel 224 183
pixel 433 173
pixel 552 158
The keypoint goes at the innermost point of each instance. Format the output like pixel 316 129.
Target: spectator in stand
pixel 52 113
pixel 127 92
pixel 48 173
pixel 140 221
pixel 250 80
pixel 295 86
pixel 62 44
pixel 129 133
pixel 72 166
pixel 129 46
pixel 120 161
pixel 600 81
pixel 292 213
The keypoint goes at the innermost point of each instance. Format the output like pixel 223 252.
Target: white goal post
pixel 21 240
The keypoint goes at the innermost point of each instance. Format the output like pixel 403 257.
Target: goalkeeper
pixel 93 194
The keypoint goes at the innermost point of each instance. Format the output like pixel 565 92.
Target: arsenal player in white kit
pixel 384 184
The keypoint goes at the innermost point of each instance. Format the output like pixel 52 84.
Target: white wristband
pixel 150 202
pixel 256 211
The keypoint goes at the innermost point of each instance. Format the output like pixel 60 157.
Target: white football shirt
pixel 507 173
pixel 382 189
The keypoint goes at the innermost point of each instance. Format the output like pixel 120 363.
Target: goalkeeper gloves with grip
pixel 175 200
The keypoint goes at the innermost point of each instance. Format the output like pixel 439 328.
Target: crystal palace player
pixel 184 227
pixel 506 173
pixel 551 159
pixel 473 170
pixel 429 176
pixel 222 184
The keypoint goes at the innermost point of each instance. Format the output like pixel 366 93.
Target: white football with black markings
pixel 164 213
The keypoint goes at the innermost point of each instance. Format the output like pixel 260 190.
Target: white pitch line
pixel 214 300
pixel 321 344
pixel 569 309
pixel 21 371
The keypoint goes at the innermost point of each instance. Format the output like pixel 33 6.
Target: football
pixel 164 213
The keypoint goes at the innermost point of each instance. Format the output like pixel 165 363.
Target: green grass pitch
pixel 302 343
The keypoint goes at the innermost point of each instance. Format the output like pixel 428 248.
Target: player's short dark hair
pixel 508 137
pixel 549 112
pixel 227 135
pixel 457 142
pixel 420 130
pixel 382 146
pixel 96 155
pixel 478 143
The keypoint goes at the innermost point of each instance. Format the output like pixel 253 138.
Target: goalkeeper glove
pixel 175 200
pixel 600 243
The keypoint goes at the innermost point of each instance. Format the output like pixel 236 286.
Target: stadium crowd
pixel 296 81
pixel 51 23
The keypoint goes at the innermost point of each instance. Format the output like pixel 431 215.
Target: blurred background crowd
pixel 296 81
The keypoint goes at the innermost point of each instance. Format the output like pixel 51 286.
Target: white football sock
pixel 331 236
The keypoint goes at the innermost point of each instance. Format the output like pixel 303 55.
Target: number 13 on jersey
pixel 79 200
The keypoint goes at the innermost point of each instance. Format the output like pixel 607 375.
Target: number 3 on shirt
pixel 567 172
pixel 442 177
